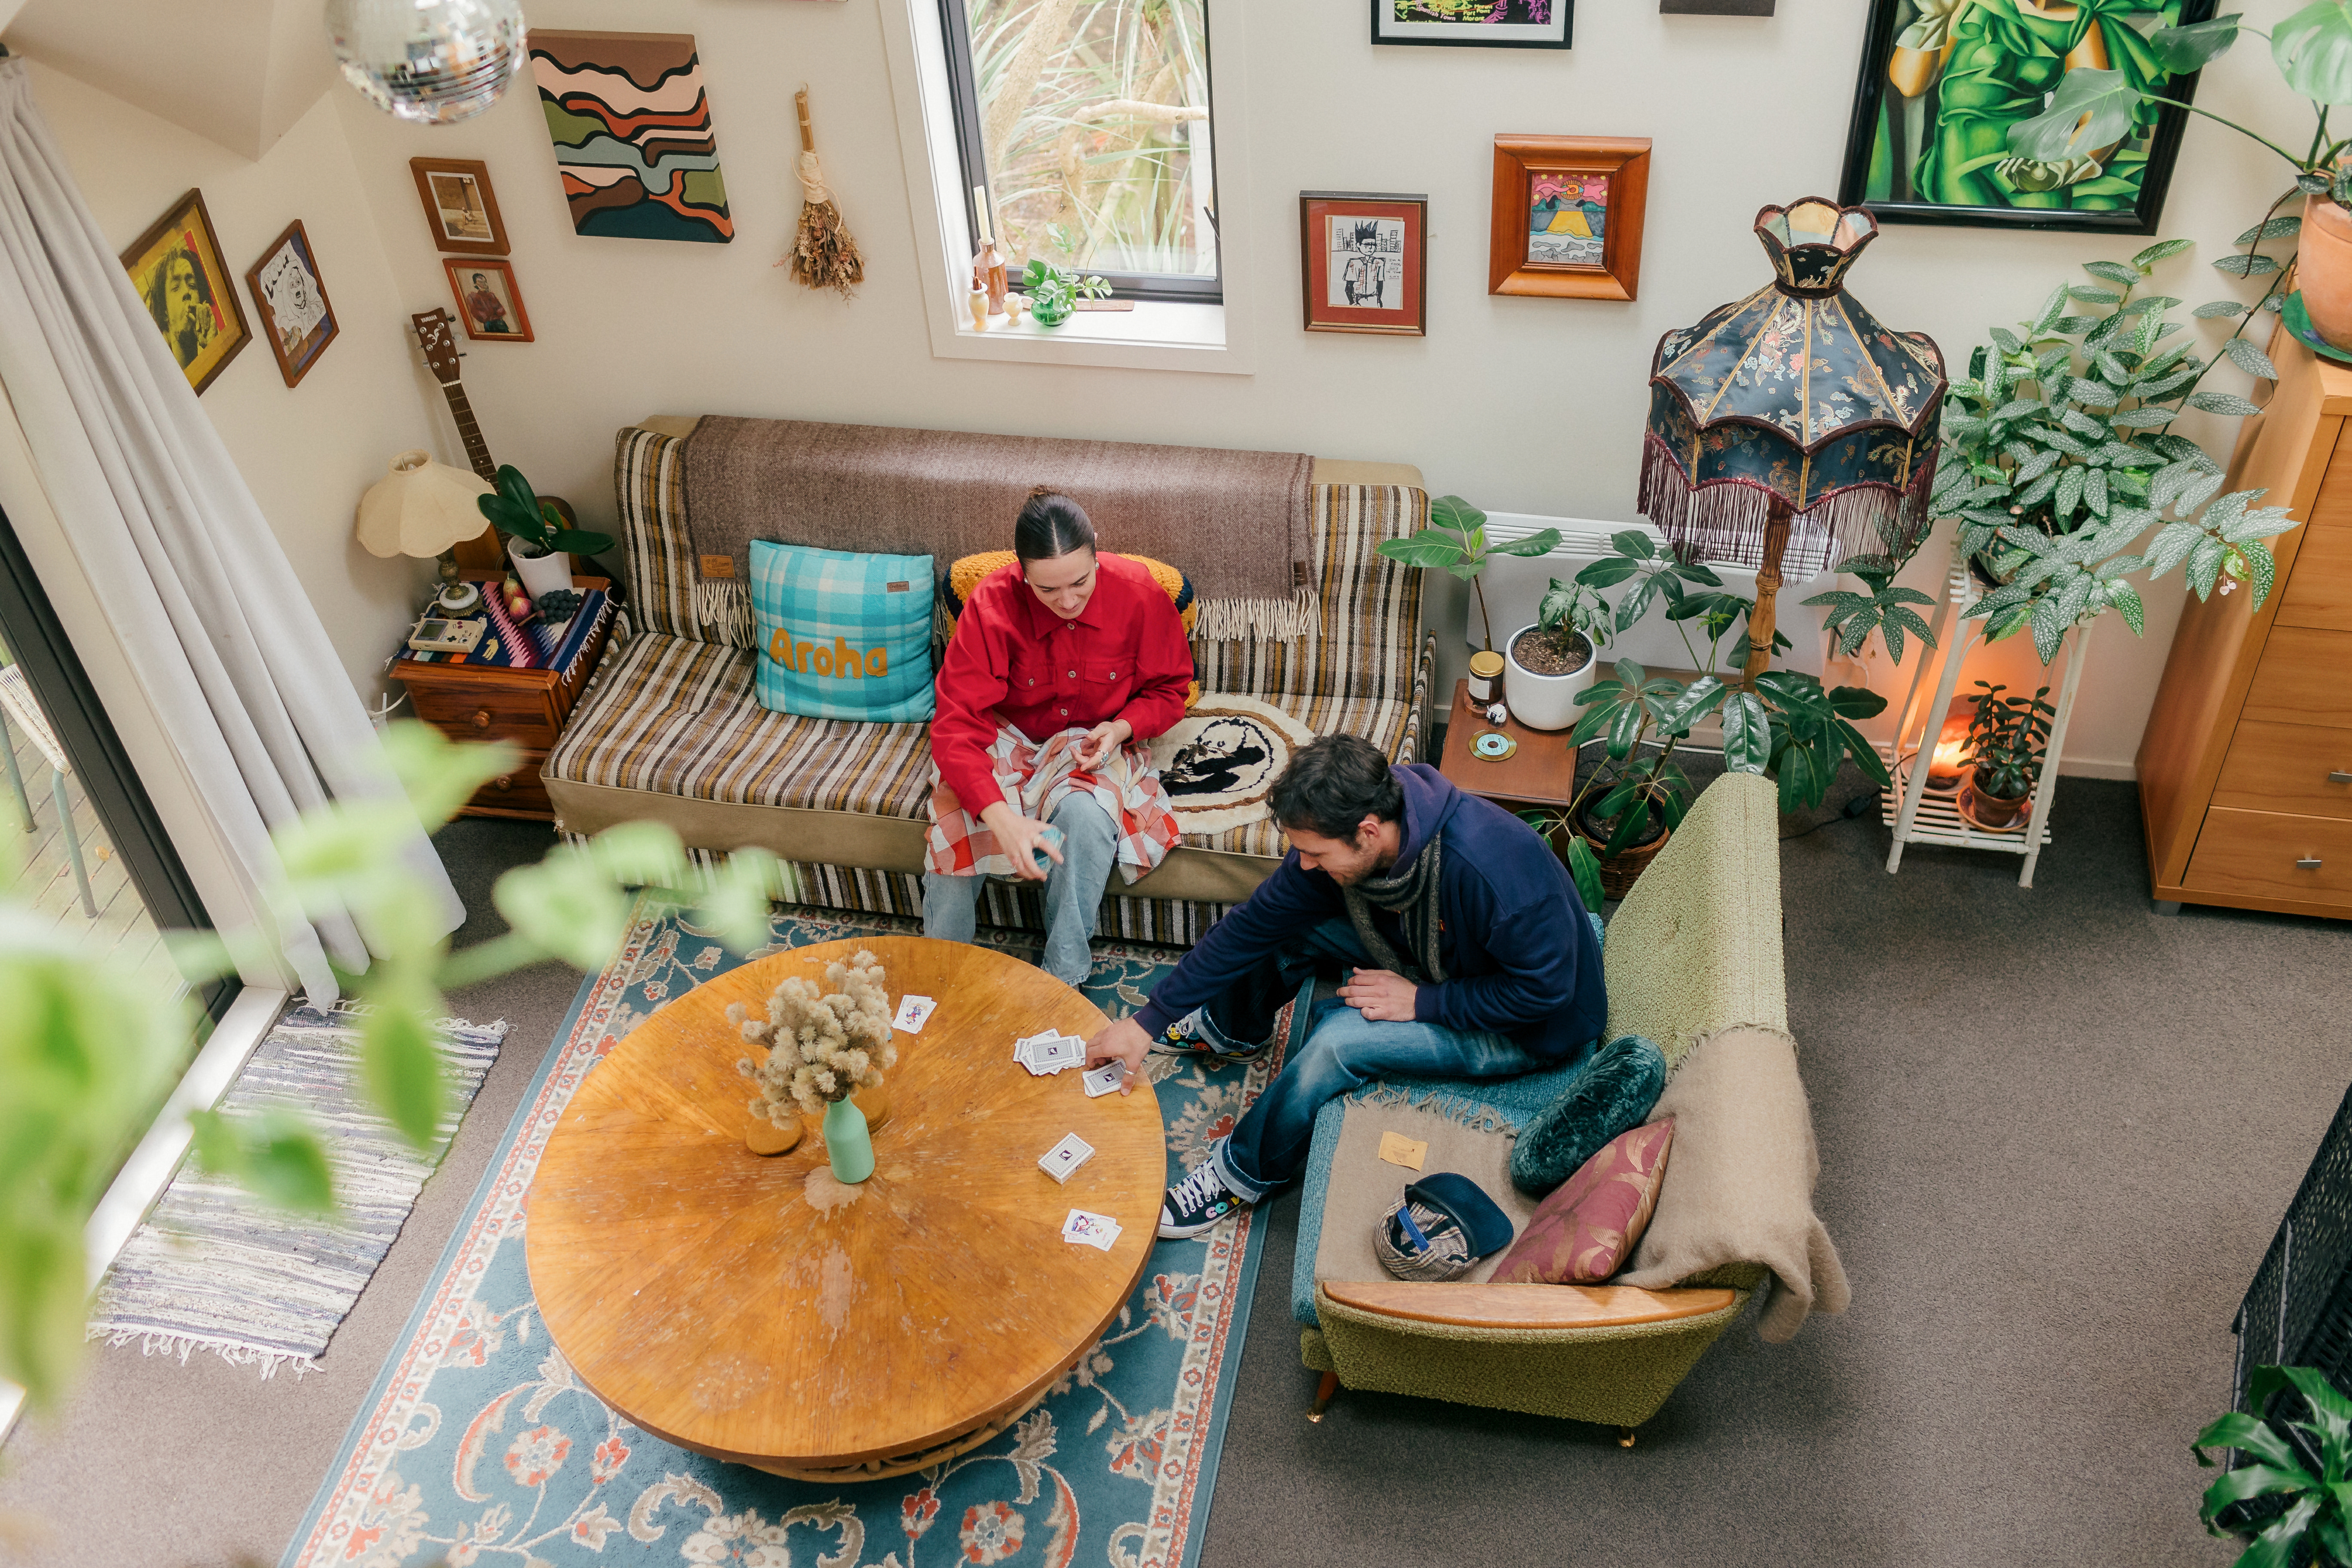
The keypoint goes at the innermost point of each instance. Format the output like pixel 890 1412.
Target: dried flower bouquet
pixel 820 1047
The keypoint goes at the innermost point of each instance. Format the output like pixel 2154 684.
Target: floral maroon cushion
pixel 1585 1232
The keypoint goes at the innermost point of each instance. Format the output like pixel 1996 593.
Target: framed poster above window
pixel 1475 24
pixel 1363 262
pixel 1566 217
pixel 1942 86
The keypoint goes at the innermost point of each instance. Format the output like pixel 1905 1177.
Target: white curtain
pixel 218 627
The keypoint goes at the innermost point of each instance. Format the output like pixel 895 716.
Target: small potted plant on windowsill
pixel 538 538
pixel 2006 741
pixel 1548 665
pixel 1054 294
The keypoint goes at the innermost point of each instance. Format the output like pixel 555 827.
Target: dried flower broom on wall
pixel 819 1047
pixel 822 256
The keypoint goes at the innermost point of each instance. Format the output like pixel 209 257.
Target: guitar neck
pixel 477 451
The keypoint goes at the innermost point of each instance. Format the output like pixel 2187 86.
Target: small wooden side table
pixel 1539 777
pixel 491 702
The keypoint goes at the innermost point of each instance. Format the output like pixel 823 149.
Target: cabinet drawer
pixel 2319 592
pixel 2304 678
pixel 2254 854
pixel 522 793
pixel 2297 768
pixel 483 711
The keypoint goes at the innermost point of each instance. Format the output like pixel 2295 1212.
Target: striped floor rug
pixel 215 1269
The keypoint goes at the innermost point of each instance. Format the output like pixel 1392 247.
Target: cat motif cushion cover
pixel 1585 1232
pixel 842 636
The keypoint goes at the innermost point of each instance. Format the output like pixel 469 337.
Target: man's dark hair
pixel 1333 783
pixel 1050 525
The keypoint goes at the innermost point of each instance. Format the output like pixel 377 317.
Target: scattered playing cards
pixel 1066 1156
pixel 1103 1080
pixel 1086 1229
pixel 912 1011
pixel 1049 1052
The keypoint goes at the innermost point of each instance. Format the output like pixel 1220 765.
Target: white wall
pixel 308 451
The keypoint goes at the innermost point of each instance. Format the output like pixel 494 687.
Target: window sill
pixel 1158 334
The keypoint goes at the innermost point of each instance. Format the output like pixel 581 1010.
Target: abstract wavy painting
pixel 631 131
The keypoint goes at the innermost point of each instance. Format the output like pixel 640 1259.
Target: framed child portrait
pixel 296 318
pixel 1363 262
pixel 487 301
pixel 1566 217
pixel 177 270
pixel 459 205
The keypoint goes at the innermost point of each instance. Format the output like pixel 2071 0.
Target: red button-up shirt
pixel 1012 660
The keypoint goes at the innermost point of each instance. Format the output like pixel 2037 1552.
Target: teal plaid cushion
pixel 842 636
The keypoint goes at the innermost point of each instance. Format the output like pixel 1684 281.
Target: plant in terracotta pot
pixel 2091 111
pixel 1625 809
pixel 1455 539
pixel 2006 740
pixel 540 540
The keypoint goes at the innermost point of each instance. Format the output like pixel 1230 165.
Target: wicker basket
pixel 1619 873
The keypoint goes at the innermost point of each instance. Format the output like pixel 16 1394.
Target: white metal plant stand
pixel 1920 820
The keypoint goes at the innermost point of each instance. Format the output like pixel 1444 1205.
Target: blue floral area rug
pixel 477 1446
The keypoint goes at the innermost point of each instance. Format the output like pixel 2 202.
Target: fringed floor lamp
pixel 1789 431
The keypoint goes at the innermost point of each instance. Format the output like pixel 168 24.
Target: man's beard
pixel 1372 865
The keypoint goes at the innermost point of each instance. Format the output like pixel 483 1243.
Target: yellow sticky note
pixel 1399 1150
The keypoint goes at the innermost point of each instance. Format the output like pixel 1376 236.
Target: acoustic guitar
pixel 441 354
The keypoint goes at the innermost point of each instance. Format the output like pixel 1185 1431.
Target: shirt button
pixel 1073 675
pixel 1066 713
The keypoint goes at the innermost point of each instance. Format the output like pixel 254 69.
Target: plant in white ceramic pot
pixel 540 540
pixel 1549 663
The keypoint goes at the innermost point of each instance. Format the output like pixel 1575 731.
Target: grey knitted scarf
pixel 1412 895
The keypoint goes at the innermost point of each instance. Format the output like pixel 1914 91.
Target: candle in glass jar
pixel 1485 677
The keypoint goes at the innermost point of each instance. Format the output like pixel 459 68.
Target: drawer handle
pixel 507 783
pixel 481 719
pixel 2307 863
pixel 2338 775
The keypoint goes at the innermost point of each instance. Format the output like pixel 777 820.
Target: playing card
pixel 1066 1157
pixel 912 1011
pixel 1103 1080
pixel 1055 1052
pixel 1099 1230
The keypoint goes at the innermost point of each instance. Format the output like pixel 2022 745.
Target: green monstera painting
pixel 1944 80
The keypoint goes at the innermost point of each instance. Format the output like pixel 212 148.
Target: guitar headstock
pixel 439 343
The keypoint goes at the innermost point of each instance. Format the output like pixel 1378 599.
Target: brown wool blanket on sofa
pixel 1234 522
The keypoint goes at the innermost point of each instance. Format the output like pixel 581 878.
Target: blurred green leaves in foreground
pixel 86 1056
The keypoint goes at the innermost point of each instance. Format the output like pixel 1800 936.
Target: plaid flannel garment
pixel 1036 779
pixel 842 636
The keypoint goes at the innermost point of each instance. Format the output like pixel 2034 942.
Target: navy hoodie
pixel 1519 956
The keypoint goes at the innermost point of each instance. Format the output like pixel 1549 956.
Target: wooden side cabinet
pixel 2245 771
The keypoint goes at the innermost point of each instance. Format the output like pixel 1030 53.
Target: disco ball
pixel 433 61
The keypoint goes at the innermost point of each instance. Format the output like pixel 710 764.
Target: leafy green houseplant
pixel 540 538
pixel 2007 740
pixel 1054 294
pixel 1642 792
pixel 1455 540
pixel 2294 1517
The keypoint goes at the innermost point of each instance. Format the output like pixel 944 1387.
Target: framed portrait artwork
pixel 296 318
pixel 1363 260
pixel 1568 216
pixel 1475 24
pixel 459 205
pixel 487 301
pixel 176 268
pixel 1942 85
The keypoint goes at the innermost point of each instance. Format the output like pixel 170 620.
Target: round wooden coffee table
pixel 753 1310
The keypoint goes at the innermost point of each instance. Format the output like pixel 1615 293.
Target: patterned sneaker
pixel 1193 1036
pixel 1198 1202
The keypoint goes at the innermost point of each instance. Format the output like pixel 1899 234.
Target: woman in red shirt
pixel 1064 663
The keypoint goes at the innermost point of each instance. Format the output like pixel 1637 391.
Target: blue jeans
pixel 1344 1051
pixel 1073 891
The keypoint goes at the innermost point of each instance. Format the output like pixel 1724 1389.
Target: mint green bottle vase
pixel 846 1146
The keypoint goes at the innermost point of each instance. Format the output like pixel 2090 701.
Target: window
pixel 1087 125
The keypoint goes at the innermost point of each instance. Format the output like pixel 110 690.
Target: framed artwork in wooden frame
pixel 1364 262
pixel 177 269
pixel 296 317
pixel 488 300
pixel 1567 216
pixel 1942 87
pixel 459 205
pixel 1475 24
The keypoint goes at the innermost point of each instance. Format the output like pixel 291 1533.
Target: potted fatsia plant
pixel 2006 739
pixel 1455 540
pixel 540 540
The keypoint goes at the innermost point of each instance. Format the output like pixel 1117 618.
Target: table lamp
pixel 1789 430
pixel 425 509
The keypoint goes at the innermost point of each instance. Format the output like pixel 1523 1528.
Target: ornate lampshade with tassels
pixel 1789 431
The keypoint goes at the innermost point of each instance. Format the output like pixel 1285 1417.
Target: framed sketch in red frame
pixel 1363 262
pixel 1568 216
pixel 488 300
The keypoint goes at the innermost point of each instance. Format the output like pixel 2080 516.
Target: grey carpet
pixel 2057 1131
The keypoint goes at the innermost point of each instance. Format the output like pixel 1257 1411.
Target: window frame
pixel 963 97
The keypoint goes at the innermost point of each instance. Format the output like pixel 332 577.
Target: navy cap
pixel 1486 1227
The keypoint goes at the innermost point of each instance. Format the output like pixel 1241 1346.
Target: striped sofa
pixel 669 729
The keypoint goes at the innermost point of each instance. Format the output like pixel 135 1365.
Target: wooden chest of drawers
pixel 526 707
pixel 2245 771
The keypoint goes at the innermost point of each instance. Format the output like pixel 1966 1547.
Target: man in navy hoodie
pixel 1471 958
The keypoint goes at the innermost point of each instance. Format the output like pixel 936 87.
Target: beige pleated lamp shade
pixel 421 508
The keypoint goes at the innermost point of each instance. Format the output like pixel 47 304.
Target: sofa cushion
pixel 1582 1233
pixel 1614 1092
pixel 841 635
pixel 964 573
